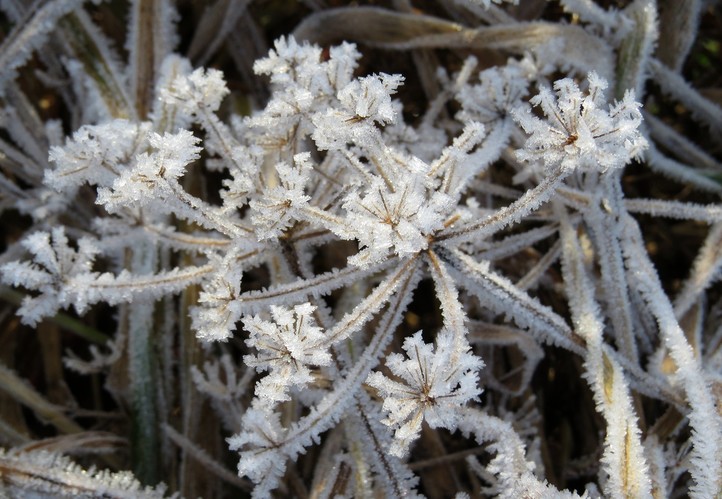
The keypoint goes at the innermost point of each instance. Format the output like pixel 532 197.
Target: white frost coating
pixel 303 229
pixel 286 347
pixel 431 389
pixel 578 132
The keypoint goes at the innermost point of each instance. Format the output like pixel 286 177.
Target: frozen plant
pixel 363 267
pixel 436 384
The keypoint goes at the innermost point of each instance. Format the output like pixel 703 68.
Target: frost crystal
pixel 274 210
pixel 365 103
pixel 432 389
pixel 499 92
pixel 153 175
pixel 265 461
pixel 53 262
pixel 200 90
pixel 286 347
pixel 398 221
pixel 95 153
pixel 219 309
pixel 578 133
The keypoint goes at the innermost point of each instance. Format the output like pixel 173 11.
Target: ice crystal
pixel 578 132
pixel 286 347
pixel 432 387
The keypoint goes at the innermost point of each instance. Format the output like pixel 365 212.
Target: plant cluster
pixel 330 286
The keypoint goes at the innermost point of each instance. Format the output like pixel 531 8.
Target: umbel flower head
pixel 435 382
pixel 286 347
pixel 578 132
pixel 398 222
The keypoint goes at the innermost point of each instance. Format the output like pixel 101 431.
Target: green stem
pixel 63 320
pixel 144 433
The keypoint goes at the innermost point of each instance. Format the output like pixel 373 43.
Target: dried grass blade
pixel 532 277
pixel 702 109
pixel 143 376
pixel 371 25
pixel 710 214
pixel 678 24
pixel 623 456
pixel 601 219
pixel 149 42
pixel 406 31
pixel 679 171
pixel 20 390
pixel 636 49
pixel 99 62
pixel 705 271
pixel 30 33
pixel 706 423
pixel 679 145
pixel 25 126
pixel 215 26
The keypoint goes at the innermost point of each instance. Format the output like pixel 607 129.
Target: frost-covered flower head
pixel 273 211
pixel 54 260
pixel 218 308
pixel 286 346
pixel 363 104
pixel 95 154
pixel 578 132
pixel 397 221
pixel 203 89
pixel 290 63
pixel 432 387
pixel 499 91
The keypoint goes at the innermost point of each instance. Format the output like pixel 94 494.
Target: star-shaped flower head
pixel 434 383
pixel 274 210
pixel 218 310
pixel 578 133
pixel 363 104
pixel 203 89
pixel 261 459
pixel 499 91
pixel 398 221
pixel 286 346
pixel 151 178
pixel 53 265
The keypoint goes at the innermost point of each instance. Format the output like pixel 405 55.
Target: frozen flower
pixel 286 346
pixel 273 211
pixel 578 133
pixel 148 179
pixel 499 92
pixel 54 261
pixel 96 154
pixel 262 433
pixel 434 384
pixel 399 221
pixel 203 89
pixel 365 102
pixel 219 308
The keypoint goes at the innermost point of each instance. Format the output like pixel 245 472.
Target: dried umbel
pixel 273 264
pixel 578 132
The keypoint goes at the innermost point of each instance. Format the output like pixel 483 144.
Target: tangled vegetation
pixel 391 249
